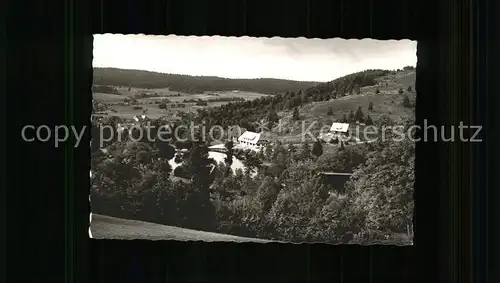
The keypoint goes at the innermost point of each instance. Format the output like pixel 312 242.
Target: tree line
pixel 193 84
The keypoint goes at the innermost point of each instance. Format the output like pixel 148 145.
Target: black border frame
pixel 48 67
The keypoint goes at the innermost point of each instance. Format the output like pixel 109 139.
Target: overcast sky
pixel 249 57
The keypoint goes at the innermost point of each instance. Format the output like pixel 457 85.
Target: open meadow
pixel 129 102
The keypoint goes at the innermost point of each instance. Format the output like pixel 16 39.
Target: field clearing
pixel 207 96
pixel 154 111
pixel 162 93
pixel 106 227
pixel 159 91
pixel 118 109
pixel 108 97
pixel 240 94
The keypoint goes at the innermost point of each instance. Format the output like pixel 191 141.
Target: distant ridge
pixel 194 84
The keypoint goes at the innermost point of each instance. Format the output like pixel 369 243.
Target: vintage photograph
pixel 210 138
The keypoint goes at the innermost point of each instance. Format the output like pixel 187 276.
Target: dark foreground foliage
pixel 278 196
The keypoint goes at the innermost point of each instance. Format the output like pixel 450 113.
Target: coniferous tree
pixel 268 151
pixel 305 151
pixel 272 118
pixel 330 111
pixel 229 156
pixel 317 149
pixel 352 118
pixel 406 102
pixel 359 114
pixel 277 149
pixel 357 90
pixel 198 166
pixel 296 115
pixel 368 120
pixel 303 98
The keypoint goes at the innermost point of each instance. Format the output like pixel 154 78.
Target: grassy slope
pixel 106 227
pixel 388 102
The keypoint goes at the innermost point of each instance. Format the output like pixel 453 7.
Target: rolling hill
pixel 342 95
pixel 387 102
pixel 106 227
pixel 321 104
pixel 193 84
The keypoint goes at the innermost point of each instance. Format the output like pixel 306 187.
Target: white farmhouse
pixel 251 140
pixel 339 129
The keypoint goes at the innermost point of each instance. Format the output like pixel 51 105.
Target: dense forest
pixel 286 200
pixel 192 84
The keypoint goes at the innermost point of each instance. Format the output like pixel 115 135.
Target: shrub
pixel 330 111
pixel 181 172
pixel 406 102
pixel 105 89
pixel 296 115
pixel 201 103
